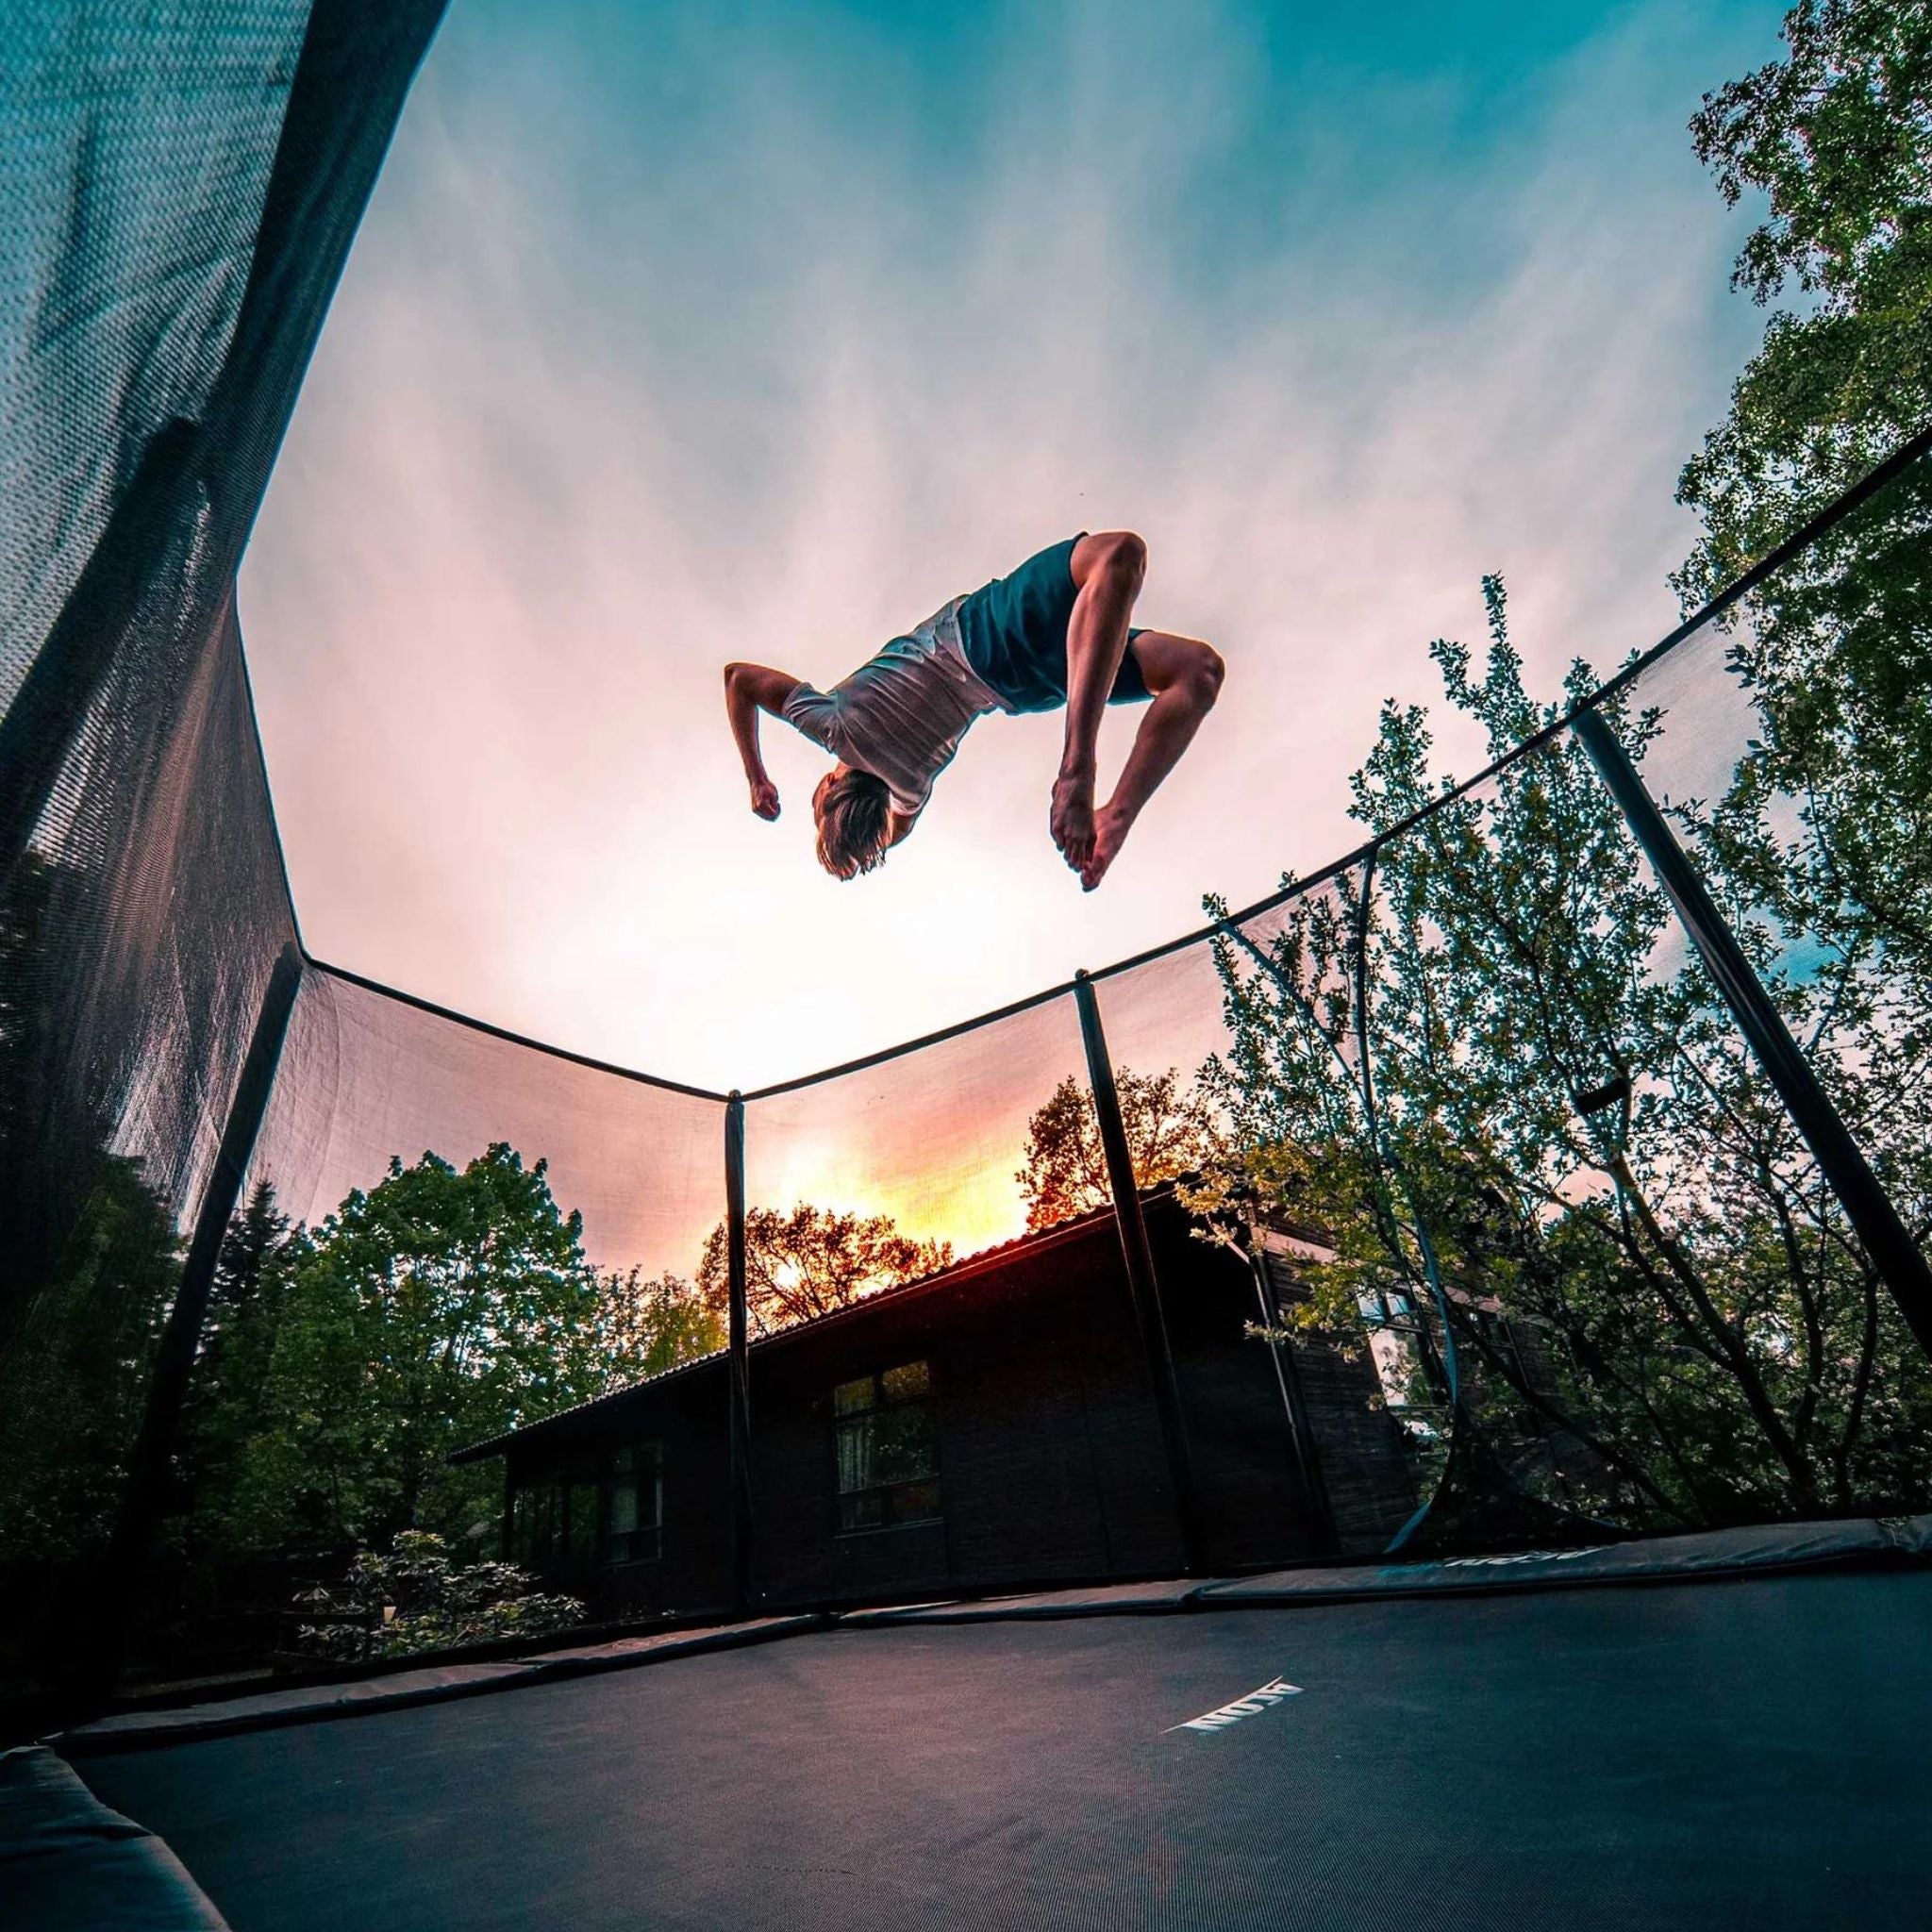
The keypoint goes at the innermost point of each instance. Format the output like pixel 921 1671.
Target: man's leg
pixel 1184 675
pixel 1109 568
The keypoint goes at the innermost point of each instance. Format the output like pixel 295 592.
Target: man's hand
pixel 750 689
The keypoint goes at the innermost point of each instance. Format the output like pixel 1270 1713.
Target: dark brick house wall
pixel 686 1413
pixel 1254 1505
pixel 1358 1456
pixel 1052 1466
pixel 1050 1457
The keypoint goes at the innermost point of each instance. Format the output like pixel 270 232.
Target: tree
pixel 1573 1167
pixel 89 1258
pixel 1837 647
pixel 810 1260
pixel 648 1323
pixel 246 1300
pixel 1822 841
pixel 1171 1132
pixel 228 1406
pixel 1838 137
pixel 340 1364
pixel 440 1307
pixel 74 1389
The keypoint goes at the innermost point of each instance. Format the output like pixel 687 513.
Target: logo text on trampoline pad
pixel 1523 1556
pixel 1266 1698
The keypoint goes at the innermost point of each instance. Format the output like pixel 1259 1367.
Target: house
pixel 990 1426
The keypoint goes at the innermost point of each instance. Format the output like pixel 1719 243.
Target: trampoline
pixel 1631 1248
pixel 1739 1746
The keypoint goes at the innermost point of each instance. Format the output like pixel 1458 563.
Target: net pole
pixel 1138 1252
pixel 738 1349
pixel 144 1498
pixel 1870 1209
pixel 1303 1451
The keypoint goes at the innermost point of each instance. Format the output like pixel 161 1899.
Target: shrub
pixel 415 1597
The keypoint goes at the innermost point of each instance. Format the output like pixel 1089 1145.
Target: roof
pixel 968 1265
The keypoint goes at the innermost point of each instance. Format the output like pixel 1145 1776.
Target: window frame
pixel 546 1537
pixel 881 1403
pixel 646 1541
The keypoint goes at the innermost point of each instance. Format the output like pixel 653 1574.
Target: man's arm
pixel 750 689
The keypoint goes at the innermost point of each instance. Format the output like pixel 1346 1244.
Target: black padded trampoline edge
pixel 1873 1561
pixel 104 1739
pixel 1768 1550
pixel 1365 1589
pixel 1759 1550
pixel 68 1860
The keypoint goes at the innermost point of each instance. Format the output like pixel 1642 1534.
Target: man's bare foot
pixel 1072 818
pixel 1110 828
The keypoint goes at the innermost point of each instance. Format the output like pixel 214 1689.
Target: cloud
pixel 661 347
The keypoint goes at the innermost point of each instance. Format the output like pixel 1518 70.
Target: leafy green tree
pixel 1565 1160
pixel 1837 138
pixel 1837 648
pixel 340 1364
pixel 1171 1131
pixel 1820 842
pixel 810 1260
pixel 73 1386
pixel 88 1260
pixel 440 1307
pixel 647 1323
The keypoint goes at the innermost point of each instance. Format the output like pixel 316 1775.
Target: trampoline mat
pixel 1741 1752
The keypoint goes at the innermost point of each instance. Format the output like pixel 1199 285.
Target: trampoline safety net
pixel 1552 1169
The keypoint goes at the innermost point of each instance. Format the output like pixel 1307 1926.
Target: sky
pixel 677 333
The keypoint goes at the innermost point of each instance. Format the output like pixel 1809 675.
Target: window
pixel 637 1504
pixel 1400 1347
pixel 581 1519
pixel 534 1509
pixel 554 1518
pixel 888 1449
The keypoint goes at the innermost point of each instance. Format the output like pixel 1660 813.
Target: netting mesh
pixel 1462 1214
pixel 1240 1062
pixel 934 1139
pixel 366 1079
pixel 140 930
pixel 181 187
pixel 140 149
pixel 1787 751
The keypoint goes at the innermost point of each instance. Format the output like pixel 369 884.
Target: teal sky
pixel 683 333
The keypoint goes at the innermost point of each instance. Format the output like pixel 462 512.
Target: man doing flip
pixel 1052 633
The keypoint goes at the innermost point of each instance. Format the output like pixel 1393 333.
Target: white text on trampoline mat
pixel 1266 1698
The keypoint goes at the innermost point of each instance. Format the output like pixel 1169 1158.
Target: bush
pixel 414 1597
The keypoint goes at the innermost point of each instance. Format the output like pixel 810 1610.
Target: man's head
pixel 854 812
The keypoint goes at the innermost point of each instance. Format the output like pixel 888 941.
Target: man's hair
pixel 855 822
